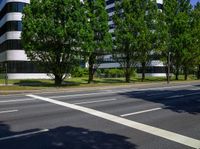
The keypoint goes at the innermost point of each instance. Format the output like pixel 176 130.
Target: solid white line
pixel 97 101
pixel 192 94
pixel 139 112
pixel 121 91
pixel 24 134
pixel 174 96
pixel 16 100
pixel 157 94
pixel 139 126
pixel 8 111
pixel 178 96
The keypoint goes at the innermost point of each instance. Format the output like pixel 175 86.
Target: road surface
pixel 159 117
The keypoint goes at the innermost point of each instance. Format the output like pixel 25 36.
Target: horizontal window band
pixel 11 26
pixel 10 45
pixel 20 67
pixel 12 7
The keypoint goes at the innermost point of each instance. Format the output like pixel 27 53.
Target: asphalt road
pixel 157 117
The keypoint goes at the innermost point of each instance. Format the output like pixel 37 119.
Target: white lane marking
pixel 157 94
pixel 24 134
pixel 194 89
pixel 175 96
pixel 178 96
pixel 8 111
pixel 16 100
pixel 139 112
pixel 97 101
pixel 121 91
pixel 139 126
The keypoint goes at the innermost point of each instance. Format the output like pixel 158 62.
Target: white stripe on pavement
pixel 139 126
pixel 24 134
pixel 139 112
pixel 121 91
pixel 163 93
pixel 8 111
pixel 16 100
pixel 174 96
pixel 97 101
pixel 178 96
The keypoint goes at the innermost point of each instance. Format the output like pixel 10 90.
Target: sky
pixel 193 2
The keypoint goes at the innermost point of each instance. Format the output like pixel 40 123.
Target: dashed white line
pixel 8 111
pixel 140 112
pixel 16 100
pixel 24 134
pixel 188 141
pixel 97 101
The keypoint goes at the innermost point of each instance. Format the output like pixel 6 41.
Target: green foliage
pixel 101 42
pixel 135 33
pixel 177 18
pixel 53 34
pixel 80 72
pixel 113 73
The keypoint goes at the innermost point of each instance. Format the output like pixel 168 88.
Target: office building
pixel 13 57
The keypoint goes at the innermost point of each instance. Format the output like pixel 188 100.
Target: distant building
pixel 155 67
pixel 12 54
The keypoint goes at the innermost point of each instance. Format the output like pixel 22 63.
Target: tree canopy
pixel 53 35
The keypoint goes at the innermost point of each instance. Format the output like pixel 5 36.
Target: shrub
pixel 80 72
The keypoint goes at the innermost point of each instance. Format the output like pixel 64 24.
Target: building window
pixel 12 7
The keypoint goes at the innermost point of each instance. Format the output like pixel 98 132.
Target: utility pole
pixel 168 68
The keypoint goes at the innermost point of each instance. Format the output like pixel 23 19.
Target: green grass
pixel 78 82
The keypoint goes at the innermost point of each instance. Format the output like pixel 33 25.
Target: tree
pixel 195 30
pixel 127 25
pixel 147 33
pixel 53 33
pixel 101 43
pixel 177 17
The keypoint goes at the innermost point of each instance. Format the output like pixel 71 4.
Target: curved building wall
pixel 11 52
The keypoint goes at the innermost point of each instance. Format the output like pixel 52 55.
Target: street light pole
pixel 168 68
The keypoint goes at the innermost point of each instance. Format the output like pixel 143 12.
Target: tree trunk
pixel 177 73
pixel 198 73
pixel 143 70
pixel 58 80
pixel 128 70
pixel 91 68
pixel 185 73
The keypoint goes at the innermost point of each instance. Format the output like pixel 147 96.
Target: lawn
pixel 75 82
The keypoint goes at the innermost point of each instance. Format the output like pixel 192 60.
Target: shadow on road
pixel 171 99
pixel 64 138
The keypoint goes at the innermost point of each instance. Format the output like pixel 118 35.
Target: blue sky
pixel 194 1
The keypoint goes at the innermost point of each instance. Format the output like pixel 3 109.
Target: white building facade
pixel 13 57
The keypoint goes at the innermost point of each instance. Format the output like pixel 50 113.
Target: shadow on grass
pixel 106 80
pixel 46 83
pixel 63 138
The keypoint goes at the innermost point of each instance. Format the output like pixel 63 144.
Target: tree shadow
pixel 33 83
pixel 48 83
pixel 63 138
pixel 170 99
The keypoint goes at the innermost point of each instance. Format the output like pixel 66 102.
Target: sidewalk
pixel 100 87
